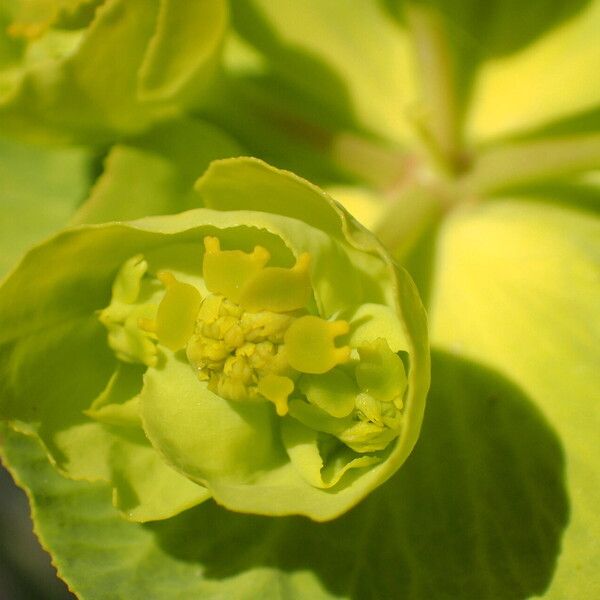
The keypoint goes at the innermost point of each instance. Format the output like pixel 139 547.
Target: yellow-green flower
pixel 262 351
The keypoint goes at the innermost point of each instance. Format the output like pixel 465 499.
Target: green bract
pixel 262 350
pixel 88 70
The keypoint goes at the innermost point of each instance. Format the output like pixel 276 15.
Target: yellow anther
pixel 310 344
pixel 227 271
pixel 246 350
pixel 264 325
pixel 276 389
pixel 278 290
pixel 212 245
pixel 216 351
pixel 177 312
pixel 234 336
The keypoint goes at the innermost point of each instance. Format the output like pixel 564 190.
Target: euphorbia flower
pixel 263 350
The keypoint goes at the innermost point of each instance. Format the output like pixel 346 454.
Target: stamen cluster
pixel 233 349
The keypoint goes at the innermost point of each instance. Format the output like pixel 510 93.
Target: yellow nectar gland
pixel 176 315
pixel 244 279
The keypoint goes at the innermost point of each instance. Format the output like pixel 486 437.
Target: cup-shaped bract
pixel 263 350
pixel 93 70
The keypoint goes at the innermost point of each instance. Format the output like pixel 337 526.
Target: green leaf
pixel 145 488
pixel 511 165
pixel 549 80
pixel 154 173
pixel 484 61
pixel 517 286
pixel 48 99
pixel 459 521
pixel 39 190
pixel 455 75
pixel 217 441
pixel 118 403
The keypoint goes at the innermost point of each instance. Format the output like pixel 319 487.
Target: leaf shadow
pixel 294 70
pixel 289 110
pixel 484 31
pixel 476 513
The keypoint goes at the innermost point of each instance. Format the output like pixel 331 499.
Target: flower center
pixel 235 350
pixel 251 337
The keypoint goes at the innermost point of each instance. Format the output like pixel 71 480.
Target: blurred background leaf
pixel 516 285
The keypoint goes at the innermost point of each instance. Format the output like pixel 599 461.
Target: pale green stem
pixel 518 164
pixel 437 121
pixel 408 218
pixel 375 163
